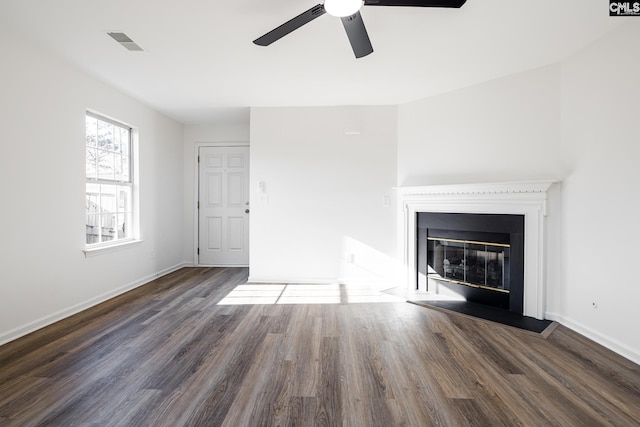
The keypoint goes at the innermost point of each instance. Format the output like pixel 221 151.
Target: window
pixel 109 186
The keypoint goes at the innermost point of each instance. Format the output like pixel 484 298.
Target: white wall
pixel 574 122
pixel 503 130
pixel 45 275
pixel 324 190
pixel 195 136
pixel 601 106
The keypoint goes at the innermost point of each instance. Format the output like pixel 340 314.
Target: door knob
pixel 246 211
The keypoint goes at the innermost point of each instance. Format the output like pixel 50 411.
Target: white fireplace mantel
pixel 528 198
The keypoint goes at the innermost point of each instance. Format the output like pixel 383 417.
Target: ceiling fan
pixel 349 12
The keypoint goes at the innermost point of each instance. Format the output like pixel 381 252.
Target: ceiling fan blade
pixel 416 3
pixel 357 33
pixel 291 25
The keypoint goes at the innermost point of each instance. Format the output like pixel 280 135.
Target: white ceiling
pixel 199 64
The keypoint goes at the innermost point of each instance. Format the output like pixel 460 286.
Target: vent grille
pixel 125 41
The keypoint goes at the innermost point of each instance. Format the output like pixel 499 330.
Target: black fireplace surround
pixel 477 256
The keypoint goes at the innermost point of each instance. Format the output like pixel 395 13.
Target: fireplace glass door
pixel 467 262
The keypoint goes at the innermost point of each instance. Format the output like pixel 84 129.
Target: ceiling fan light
pixel 341 8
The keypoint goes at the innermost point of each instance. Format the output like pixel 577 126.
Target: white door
pixel 223 214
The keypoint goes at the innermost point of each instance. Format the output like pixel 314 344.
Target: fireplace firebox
pixel 477 256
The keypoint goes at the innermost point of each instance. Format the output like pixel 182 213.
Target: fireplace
pixel 526 200
pixel 478 257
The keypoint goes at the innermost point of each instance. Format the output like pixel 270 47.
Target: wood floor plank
pixel 329 394
pixel 258 397
pixel 304 351
pixel 410 407
pixel 133 411
pixel 301 411
pixel 170 354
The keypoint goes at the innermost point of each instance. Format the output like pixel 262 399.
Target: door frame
pixel 196 187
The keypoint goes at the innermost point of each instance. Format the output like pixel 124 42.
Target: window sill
pixel 91 252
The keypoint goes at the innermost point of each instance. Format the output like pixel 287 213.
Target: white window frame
pixel 131 213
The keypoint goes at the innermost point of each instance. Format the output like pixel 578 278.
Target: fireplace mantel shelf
pixel 515 187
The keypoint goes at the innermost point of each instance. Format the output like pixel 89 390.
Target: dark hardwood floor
pixel 167 354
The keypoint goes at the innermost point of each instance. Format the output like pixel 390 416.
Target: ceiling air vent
pixel 125 41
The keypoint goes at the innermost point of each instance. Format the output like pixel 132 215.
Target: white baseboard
pixel 220 265
pixel 613 345
pixel 62 314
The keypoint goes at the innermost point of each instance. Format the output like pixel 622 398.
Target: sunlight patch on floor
pixel 306 294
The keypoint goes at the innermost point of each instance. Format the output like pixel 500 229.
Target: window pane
pixel 92 131
pixel 126 168
pixel 124 199
pixel 121 167
pixel 93 194
pixel 92 229
pixel 125 140
pixel 91 168
pixel 123 226
pixel 105 165
pixel 117 138
pixel 108 199
pixel 105 135
pixel 108 226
